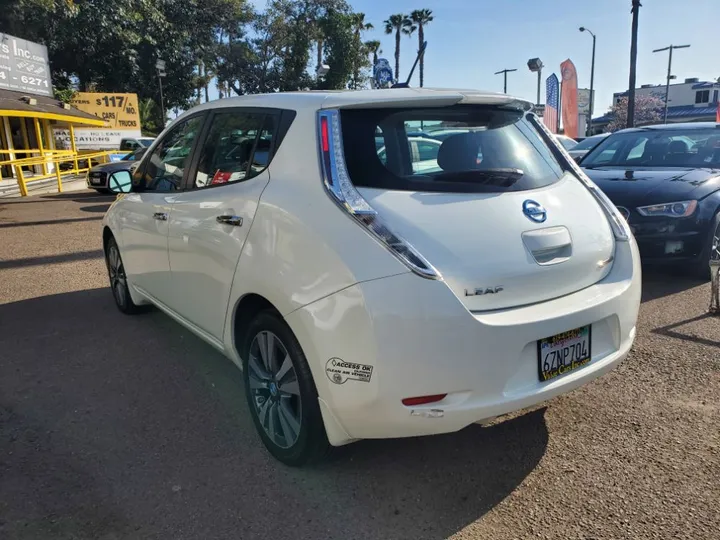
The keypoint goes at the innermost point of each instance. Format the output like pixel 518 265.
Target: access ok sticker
pixel 339 371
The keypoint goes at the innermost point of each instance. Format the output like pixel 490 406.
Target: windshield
pixel 145 142
pixel 588 143
pixel 690 148
pixel 463 149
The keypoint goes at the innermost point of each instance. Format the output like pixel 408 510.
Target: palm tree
pixel 359 25
pixel 421 17
pixel 398 23
pixel 373 47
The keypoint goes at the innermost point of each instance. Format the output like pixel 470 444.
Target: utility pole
pixel 633 64
pixel 588 129
pixel 504 72
pixel 669 73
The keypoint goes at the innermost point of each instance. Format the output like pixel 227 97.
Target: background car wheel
pixel 281 392
pixel 118 280
pixel 711 251
pixel 104 191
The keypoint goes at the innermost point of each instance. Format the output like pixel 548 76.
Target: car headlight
pixel 672 209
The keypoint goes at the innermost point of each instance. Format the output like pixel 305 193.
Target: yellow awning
pixel 68 118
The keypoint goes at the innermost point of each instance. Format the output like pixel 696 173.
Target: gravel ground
pixel 116 427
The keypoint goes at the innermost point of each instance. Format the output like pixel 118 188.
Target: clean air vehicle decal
pixel 339 371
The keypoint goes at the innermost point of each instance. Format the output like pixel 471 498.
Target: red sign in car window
pixel 221 178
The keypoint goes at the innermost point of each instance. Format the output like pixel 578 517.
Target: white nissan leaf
pixel 365 297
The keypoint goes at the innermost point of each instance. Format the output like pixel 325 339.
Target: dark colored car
pixel 665 180
pixel 97 177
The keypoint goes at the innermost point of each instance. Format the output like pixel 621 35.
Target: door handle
pixel 160 216
pixel 237 221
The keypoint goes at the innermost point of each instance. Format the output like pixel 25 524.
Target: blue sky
pixel 470 40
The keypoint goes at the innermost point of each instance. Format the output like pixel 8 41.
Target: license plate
pixel 563 353
pixel 96 181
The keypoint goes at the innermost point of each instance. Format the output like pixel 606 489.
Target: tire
pixel 104 191
pixel 710 251
pixel 281 394
pixel 118 280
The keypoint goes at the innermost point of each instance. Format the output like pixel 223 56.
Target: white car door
pixel 144 214
pixel 210 221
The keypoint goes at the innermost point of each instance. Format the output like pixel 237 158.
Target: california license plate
pixel 563 353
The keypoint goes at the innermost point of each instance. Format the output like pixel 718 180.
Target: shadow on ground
pixel 130 427
pixel 659 282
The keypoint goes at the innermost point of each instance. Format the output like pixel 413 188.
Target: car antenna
pixel 420 53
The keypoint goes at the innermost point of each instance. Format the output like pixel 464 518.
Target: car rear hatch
pixel 499 219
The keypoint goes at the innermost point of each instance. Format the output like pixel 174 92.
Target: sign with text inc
pixel 24 66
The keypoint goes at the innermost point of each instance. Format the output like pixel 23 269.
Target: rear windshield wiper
pixel 498 176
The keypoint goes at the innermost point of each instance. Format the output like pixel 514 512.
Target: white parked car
pixel 363 300
pixel 567 142
pixel 583 147
pixel 424 152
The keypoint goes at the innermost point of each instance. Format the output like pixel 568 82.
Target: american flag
pixel 552 103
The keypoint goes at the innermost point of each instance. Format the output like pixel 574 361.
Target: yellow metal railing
pixel 52 156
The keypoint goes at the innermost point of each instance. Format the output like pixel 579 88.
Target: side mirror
pixel 120 182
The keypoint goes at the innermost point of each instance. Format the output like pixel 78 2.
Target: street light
pixel 322 70
pixel 588 128
pixel 535 65
pixel 160 67
pixel 504 72
pixel 669 73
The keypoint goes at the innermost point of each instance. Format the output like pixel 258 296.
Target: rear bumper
pixel 420 340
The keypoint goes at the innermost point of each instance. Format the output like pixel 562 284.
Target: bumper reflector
pixel 422 400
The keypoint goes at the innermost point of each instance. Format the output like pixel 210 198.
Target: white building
pixel 689 101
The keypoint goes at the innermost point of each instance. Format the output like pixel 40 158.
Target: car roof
pixel 680 126
pixel 390 97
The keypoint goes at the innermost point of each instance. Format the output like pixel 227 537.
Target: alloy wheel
pixel 274 388
pixel 715 248
pixel 118 280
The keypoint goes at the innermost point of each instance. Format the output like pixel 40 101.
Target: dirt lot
pixel 116 427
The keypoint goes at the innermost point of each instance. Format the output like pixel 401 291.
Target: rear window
pixel 453 149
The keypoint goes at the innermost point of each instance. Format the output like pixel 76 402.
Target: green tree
pixel 112 45
pixel 341 51
pixel 421 18
pixel 149 113
pixel 399 24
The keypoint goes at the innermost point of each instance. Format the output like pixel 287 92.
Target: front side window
pixel 658 148
pixel 166 165
pixel 237 148
pixel 463 149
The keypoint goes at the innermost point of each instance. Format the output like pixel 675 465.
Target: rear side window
pixel 462 149
pixel 237 148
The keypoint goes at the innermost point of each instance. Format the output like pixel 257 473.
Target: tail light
pixel 620 228
pixel 343 192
